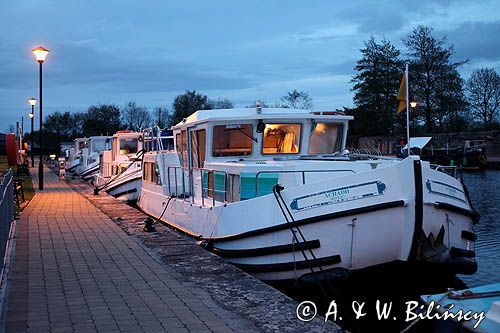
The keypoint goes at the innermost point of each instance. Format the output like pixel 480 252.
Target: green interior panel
pixel 265 186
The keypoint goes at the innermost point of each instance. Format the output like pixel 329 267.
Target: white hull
pixel 351 234
pixel 126 187
pixel 89 172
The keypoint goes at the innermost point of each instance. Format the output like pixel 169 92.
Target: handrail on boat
pixel 294 171
pixel 153 139
pixel 184 196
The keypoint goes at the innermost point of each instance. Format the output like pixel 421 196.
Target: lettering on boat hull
pixel 336 195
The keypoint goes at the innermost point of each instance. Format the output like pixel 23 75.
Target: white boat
pixel 332 211
pixel 121 167
pixel 473 310
pixel 74 154
pixel 88 166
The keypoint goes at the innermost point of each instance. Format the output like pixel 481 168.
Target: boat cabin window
pixel 128 146
pixel 181 147
pixel 198 147
pixel 232 140
pixel 168 143
pixel 326 138
pixel 150 173
pixel 281 139
pixel 99 145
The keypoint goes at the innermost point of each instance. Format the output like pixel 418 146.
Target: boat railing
pixel 302 172
pixel 153 139
pixel 200 188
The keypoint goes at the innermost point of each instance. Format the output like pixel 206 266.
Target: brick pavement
pixel 74 270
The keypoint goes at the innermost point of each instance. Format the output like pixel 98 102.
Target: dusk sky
pixel 151 51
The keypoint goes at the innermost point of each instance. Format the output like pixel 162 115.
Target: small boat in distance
pixel 121 167
pixel 88 166
pixel 275 192
pixel 74 154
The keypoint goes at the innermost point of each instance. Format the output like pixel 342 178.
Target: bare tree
pixel 135 117
pixel 483 94
pixel 162 117
pixel 297 100
pixel 221 103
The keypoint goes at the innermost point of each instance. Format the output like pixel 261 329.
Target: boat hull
pixel 349 223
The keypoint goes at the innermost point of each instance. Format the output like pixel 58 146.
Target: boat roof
pixel 100 137
pixel 236 114
pixel 419 142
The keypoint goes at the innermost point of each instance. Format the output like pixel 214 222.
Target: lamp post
pixel 32 102
pixel 40 54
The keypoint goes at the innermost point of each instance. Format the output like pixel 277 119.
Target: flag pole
pixel 407 110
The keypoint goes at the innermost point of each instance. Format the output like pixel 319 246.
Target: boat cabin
pixel 94 146
pixel 237 154
pixel 125 148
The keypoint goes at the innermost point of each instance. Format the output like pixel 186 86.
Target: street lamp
pixel 413 104
pixel 32 102
pixel 40 54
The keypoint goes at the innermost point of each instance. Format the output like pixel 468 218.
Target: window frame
pixel 285 123
pixel 226 156
pixel 195 133
pixel 340 135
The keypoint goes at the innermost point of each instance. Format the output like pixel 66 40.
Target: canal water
pixel 400 283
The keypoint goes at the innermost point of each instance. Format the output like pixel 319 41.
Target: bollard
pixel 149 225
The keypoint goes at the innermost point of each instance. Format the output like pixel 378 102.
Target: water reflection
pixel 484 189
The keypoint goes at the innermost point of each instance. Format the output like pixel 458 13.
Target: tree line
pixel 446 102
pixel 107 119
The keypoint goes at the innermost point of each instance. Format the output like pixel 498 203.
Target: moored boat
pixel 121 167
pixel 74 154
pixel 88 166
pixel 275 192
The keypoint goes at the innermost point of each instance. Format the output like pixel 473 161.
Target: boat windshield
pixel 99 145
pixel 281 139
pixel 128 146
pixel 326 138
pixel 232 140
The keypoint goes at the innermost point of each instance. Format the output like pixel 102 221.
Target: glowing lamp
pixel 31 115
pixel 32 101
pixel 413 104
pixel 40 53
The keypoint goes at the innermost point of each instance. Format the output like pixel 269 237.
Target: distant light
pixel 32 101
pixel 413 104
pixel 31 115
pixel 40 53
pixel 52 156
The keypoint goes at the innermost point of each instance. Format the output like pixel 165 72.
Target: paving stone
pixel 75 269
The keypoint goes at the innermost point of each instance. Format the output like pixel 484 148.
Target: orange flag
pixel 402 94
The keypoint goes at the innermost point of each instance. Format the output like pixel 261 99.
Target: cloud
pixel 476 40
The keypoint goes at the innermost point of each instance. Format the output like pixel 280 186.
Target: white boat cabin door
pixel 191 146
